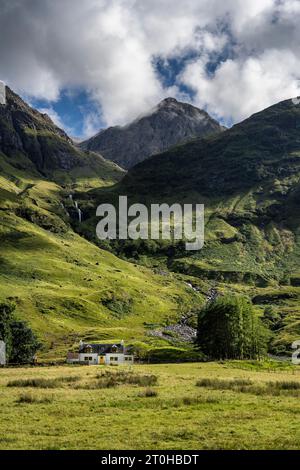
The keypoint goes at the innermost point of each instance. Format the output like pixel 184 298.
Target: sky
pixel 97 63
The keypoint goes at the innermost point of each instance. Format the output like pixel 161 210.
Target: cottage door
pixel 101 360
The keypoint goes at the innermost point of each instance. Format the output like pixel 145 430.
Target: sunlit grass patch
pixel 262 415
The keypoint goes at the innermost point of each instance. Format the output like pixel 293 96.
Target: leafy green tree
pixel 6 316
pixel 228 328
pixel 21 343
pixel 24 343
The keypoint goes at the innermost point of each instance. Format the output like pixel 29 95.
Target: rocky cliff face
pixel 24 130
pixel 31 141
pixel 168 124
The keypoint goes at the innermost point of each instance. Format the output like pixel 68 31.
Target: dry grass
pixel 109 379
pixel 276 388
pixel 31 398
pixel 41 382
pixel 147 393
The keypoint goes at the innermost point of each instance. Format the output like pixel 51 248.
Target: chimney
pixel 2 93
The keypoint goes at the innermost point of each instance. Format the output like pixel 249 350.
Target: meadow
pixel 229 405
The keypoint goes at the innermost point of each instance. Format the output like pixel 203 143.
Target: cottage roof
pixel 99 348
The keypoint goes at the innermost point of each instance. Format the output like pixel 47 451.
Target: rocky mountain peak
pixel 169 123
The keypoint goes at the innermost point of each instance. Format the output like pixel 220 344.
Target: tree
pixel 228 328
pixel 24 343
pixel 6 311
pixel 21 343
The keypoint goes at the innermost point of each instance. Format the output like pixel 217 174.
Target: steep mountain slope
pixel 264 147
pixel 30 140
pixel 248 177
pixel 169 123
pixel 64 286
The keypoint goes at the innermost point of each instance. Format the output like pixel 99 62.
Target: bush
pixel 173 354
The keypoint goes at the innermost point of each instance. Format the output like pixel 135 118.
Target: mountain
pixel 68 287
pixel 248 177
pixel 30 140
pixel 262 148
pixel 65 287
pixel 169 123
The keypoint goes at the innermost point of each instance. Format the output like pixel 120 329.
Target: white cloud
pixel 90 124
pixel 108 47
pixel 54 116
pixel 241 87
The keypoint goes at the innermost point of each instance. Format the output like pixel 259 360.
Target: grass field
pixel 234 406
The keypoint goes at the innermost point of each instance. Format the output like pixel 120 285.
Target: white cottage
pixel 96 353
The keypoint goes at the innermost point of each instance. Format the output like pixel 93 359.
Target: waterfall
pixel 79 211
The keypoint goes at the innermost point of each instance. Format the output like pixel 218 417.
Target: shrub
pixel 173 354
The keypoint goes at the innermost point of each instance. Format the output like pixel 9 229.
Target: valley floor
pixel 245 405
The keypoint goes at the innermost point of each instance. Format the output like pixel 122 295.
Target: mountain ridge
pixel 167 124
pixel 29 138
pixel 248 178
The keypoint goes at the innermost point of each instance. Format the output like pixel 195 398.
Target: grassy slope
pixel 248 178
pixel 66 287
pixel 181 416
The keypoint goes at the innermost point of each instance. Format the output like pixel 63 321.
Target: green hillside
pixel 63 285
pixel 68 287
pixel 249 180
